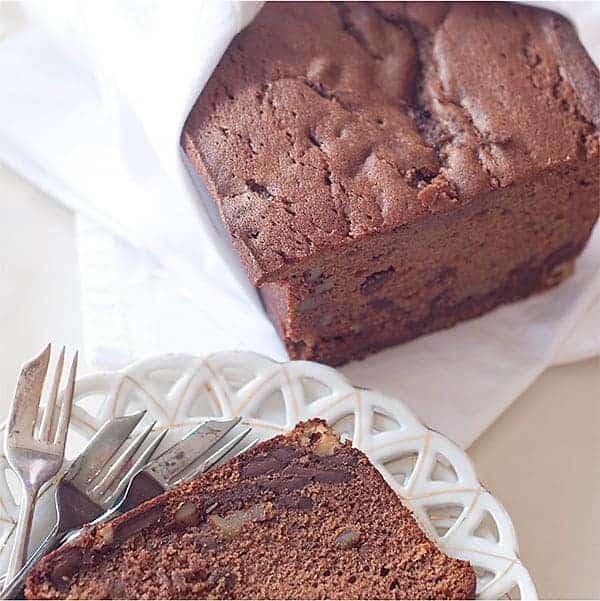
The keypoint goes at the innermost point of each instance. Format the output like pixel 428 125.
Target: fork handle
pixel 21 539
pixel 14 588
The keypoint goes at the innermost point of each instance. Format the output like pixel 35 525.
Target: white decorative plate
pixel 432 475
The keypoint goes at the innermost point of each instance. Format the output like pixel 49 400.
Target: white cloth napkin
pixel 94 95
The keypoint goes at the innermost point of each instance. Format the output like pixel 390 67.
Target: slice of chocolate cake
pixel 302 515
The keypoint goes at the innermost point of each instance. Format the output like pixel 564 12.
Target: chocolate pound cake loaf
pixel 301 516
pixel 388 169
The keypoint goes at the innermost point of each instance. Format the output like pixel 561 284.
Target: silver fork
pixel 36 454
pixel 91 485
pixel 193 455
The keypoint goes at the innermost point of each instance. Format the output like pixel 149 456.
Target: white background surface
pixel 541 458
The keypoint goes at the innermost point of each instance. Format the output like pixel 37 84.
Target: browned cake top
pixel 300 516
pixel 326 122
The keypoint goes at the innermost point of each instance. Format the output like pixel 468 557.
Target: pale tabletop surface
pixel 541 458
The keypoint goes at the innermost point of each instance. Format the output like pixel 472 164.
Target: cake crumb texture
pixel 300 516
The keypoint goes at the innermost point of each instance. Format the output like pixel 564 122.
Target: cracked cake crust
pixel 324 127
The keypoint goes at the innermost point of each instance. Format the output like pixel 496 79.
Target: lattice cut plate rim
pixel 432 475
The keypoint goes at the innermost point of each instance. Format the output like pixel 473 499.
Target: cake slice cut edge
pixel 301 515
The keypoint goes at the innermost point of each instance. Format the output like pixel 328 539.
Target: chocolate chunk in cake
pixel 300 516
pixel 389 169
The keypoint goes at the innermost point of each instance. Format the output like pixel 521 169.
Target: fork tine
pixel 122 460
pixel 24 409
pixel 105 445
pixel 213 459
pixel 233 453
pixel 249 446
pixel 229 423
pixel 137 465
pixel 64 418
pixel 227 453
pixel 197 443
pixel 46 423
